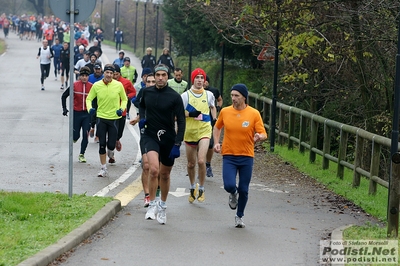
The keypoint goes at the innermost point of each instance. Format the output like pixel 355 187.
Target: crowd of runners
pixel 168 111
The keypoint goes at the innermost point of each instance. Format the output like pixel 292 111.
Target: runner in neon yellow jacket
pixel 111 102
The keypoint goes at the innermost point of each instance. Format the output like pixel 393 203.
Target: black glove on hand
pixel 65 112
pixel 194 113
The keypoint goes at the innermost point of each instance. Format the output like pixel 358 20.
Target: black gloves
pixel 194 113
pixel 65 112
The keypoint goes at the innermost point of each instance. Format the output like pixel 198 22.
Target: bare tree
pixel 38 5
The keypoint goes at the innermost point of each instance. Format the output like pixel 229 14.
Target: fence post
pixel 291 128
pixel 302 135
pixel 374 169
pixel 313 139
pixel 281 126
pixel 342 152
pixel 264 112
pixel 326 149
pixel 358 159
pixel 256 103
pixel 393 204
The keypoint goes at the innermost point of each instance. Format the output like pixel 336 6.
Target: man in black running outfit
pixel 159 107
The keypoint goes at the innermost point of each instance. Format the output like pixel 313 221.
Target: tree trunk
pixel 38 5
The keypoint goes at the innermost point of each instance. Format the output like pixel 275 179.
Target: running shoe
pixel 82 158
pixel 118 146
pixel 110 154
pixel 193 193
pixel 233 201
pixel 201 197
pixel 91 132
pixel 161 213
pixel 42 87
pixel 146 201
pixel 151 212
pixel 96 139
pixel 103 172
pixel 209 171
pixel 239 222
pixel 62 87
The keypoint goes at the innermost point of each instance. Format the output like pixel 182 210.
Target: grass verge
pixel 372 204
pixel 30 222
pixel 376 205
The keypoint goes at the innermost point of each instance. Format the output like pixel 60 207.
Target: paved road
pixel 282 227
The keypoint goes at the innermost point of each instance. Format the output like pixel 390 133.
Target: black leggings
pixel 121 126
pixel 118 46
pixel 45 70
pixel 107 131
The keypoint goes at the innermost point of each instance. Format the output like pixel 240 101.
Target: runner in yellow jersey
pixel 198 104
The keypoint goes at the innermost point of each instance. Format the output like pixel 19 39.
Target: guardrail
pixel 296 126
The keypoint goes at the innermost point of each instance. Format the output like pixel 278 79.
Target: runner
pixel 198 104
pixel 111 102
pixel 81 116
pixel 45 54
pixel 159 107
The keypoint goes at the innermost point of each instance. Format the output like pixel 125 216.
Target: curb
pixel 337 234
pixel 49 254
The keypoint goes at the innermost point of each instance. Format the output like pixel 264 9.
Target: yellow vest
pixel 197 129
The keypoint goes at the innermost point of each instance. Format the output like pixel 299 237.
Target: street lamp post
pixel 156 45
pixel 275 85
pixel 101 15
pixel 144 27
pixel 115 17
pixel 136 15
pixel 393 191
pixel 119 8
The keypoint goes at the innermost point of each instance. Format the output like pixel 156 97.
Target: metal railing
pixel 296 126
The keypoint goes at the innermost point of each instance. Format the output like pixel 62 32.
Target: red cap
pixel 198 71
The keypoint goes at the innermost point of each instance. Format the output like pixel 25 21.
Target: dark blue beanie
pixel 241 88
pixel 146 71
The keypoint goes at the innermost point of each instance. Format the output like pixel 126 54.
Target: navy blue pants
pixel 231 166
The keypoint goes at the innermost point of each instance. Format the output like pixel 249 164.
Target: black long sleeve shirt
pixel 160 107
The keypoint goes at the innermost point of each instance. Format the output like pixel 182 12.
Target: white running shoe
pixel 103 172
pixel 239 222
pixel 151 212
pixel 233 201
pixel 161 213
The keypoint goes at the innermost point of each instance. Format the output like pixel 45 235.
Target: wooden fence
pixel 296 126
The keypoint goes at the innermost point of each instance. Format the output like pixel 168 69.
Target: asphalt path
pixel 281 228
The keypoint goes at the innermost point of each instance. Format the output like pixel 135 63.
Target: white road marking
pixel 260 187
pixel 179 192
